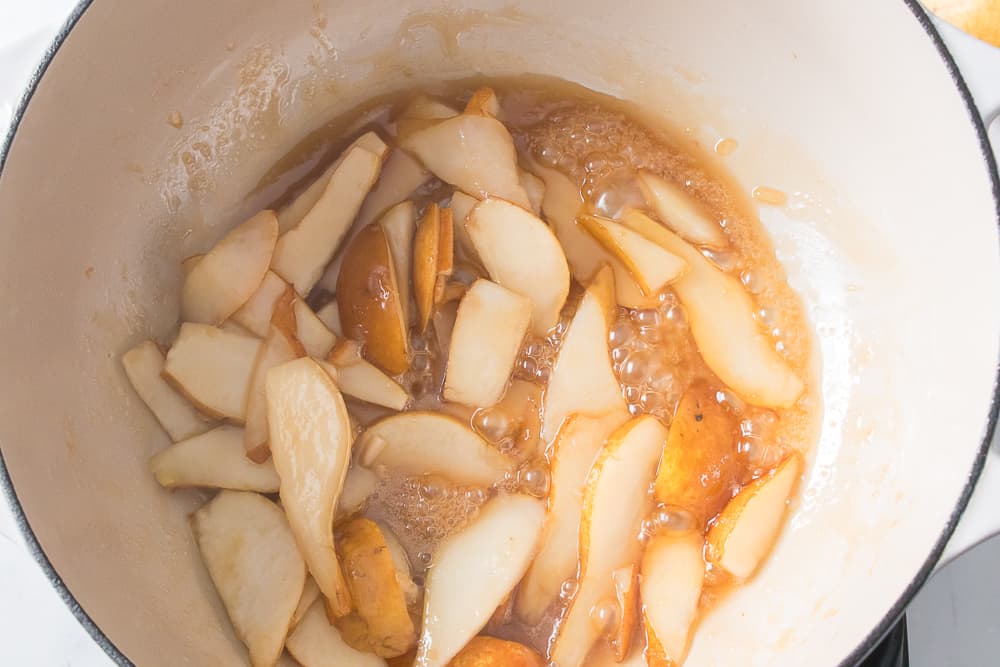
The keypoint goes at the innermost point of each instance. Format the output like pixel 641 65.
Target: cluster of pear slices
pixel 252 392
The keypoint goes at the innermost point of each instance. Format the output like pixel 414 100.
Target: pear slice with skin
pixel 242 536
pixel 228 275
pixel 720 313
pixel 582 379
pixel 417 443
pixel 614 504
pixel 426 247
pixel 491 324
pixel 310 439
pixel 485 651
pixel 143 366
pixel 277 349
pixel 521 253
pixel 746 529
pixel 316 643
pixel 670 583
pixel 649 265
pixel 680 211
pixel 213 460
pixel 362 380
pixel 473 571
pixel 255 315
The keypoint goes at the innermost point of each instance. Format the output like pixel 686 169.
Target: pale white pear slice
pixel 571 456
pixel 213 460
pixel 277 349
pixel 426 248
pixel 418 443
pixel 535 189
pixel 648 264
pixel 303 252
pixel 329 315
pixel 473 571
pixel 212 368
pixel 251 556
pixel 359 485
pixel 363 381
pixel 670 582
pixel 614 503
pixel 143 366
pixel 310 439
pixel 720 313
pixel 521 253
pixel 293 214
pixel 229 274
pixel 461 206
pixel 680 211
pixel 316 643
pixel 472 152
pixel 255 315
pixel 400 224
pixel 427 108
pixel 582 379
pixel 311 332
pixel 491 324
pixel 401 563
pixel 747 527
pixel 310 593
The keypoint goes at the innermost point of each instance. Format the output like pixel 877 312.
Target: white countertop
pixel 954 621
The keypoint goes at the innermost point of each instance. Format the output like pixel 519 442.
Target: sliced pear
pixel 242 535
pixel 312 333
pixel 230 326
pixel 401 562
pixel 426 247
pixel 400 224
pixel 303 252
pixel 626 583
pixel 614 503
pixel 461 206
pixel 483 102
pixel 572 454
pixel 213 460
pixel 522 254
pixel 417 443
pixel 485 342
pixel 359 485
pixel 310 439
pixel 426 108
pixel 368 296
pixel 649 265
pixel 283 318
pixel 255 315
pixel 277 349
pixel 143 366
pixel 492 652
pixel 582 379
pixel 310 593
pixel 535 189
pixel 746 529
pixel 212 368
pixel 672 573
pixel 316 643
pixel 446 253
pixel 720 313
pixel 680 211
pixel 362 380
pixel 473 571
pixel 329 315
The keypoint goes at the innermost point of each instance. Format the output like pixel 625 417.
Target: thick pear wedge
pixel 614 503
pixel 143 366
pixel 213 460
pixel 255 315
pixel 363 381
pixel 400 224
pixel 316 643
pixel 417 443
pixel 473 571
pixel 303 252
pixel 229 274
pixel 745 531
pixel 582 378
pixel 487 336
pixel 311 449
pixel 492 652
pixel 212 368
pixel 310 593
pixel 243 537
pixel 329 315
pixel 521 253
pixel 359 485
pixel 720 313
pixel 649 265
pixel 571 456
pixel 277 349
pixel 311 332
pixel 680 211
pixel 371 309
pixel 426 247
pixel 670 582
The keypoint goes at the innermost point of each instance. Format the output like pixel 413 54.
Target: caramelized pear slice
pixel 680 211
pixel 672 573
pixel 213 460
pixel 649 265
pixel 143 365
pixel 492 652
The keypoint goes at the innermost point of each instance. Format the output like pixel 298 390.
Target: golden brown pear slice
pixel 426 247
pixel 680 211
pixel 303 252
pixel 143 365
pixel 485 342
pixel 648 264
pixel 582 378
pixel 371 309
pixel 213 460
pixel 400 224
pixel 492 652
pixel 229 274
pixel 255 315
pixel 359 485
pixel 311 449
pixel 745 531
pixel 362 380
pixel 670 583
pixel 316 643
pixel 277 349
pixel 571 456
pixel 614 503
pixel 242 536
pixel 720 313
pixel 473 571
pixel 417 443
pixel 521 253
pixel 212 368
